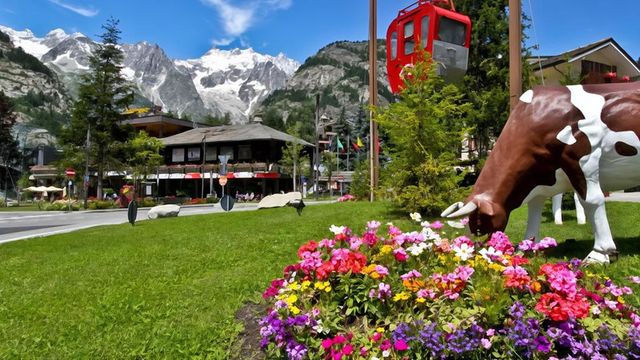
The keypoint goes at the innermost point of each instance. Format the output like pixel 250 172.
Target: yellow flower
pixel 386 249
pixel 401 296
pixel 294 286
pixel 380 330
pixel 305 285
pixel 496 267
pixel 291 299
pixel 322 285
pixel 620 300
pixel 294 310
pixel 420 300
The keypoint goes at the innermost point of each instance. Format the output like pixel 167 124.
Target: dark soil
pixel 248 342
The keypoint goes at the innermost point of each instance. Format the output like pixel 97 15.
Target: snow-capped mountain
pixel 217 83
pixel 237 80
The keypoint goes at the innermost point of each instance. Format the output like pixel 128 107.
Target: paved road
pixel 20 225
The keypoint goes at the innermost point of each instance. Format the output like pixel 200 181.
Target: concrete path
pixel 21 225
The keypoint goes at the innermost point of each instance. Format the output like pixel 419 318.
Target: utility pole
pixel 85 182
pixel 373 96
pixel 515 53
pixel 316 161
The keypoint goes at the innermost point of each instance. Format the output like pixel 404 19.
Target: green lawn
pixel 171 288
pixel 22 207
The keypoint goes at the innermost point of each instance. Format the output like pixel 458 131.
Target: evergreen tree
pixel 9 153
pixel 425 128
pixel 486 83
pixel 103 94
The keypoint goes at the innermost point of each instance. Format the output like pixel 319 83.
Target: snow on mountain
pixel 236 81
pixel 219 82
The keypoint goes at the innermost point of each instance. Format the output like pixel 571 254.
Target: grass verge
pixel 170 288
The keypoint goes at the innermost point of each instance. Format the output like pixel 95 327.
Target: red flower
pixel 517 260
pixel 558 308
pixel 311 246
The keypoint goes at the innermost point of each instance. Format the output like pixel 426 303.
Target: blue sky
pixel 298 28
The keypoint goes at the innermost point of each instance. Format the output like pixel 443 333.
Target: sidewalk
pixel 624 197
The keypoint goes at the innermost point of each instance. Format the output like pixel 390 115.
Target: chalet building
pixel 193 166
pixel 160 125
pixel 603 61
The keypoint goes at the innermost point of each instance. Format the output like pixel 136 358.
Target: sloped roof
pixel 547 61
pixel 230 133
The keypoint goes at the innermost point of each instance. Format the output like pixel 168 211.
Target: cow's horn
pixel 452 208
pixel 466 210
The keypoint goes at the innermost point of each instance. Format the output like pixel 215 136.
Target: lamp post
pixel 204 160
pixel 515 52
pixel 85 182
pixel 316 162
pixel 373 94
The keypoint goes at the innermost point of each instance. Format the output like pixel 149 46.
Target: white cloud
pixel 237 19
pixel 88 12
pixel 221 42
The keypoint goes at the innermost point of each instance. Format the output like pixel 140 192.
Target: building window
pixel 177 155
pixel 193 154
pixel 227 150
pixel 244 152
pixel 408 38
pixel 212 153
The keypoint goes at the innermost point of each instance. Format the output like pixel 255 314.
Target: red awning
pixel 270 175
pixel 193 176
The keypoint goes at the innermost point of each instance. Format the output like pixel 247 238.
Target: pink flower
pixel 370 238
pixel 400 345
pixel 327 243
pixel 635 279
pixel 526 245
pixel 486 343
pixel 436 225
pixel 464 221
pixel 393 231
pixel 327 343
pixel 347 349
pixel 462 240
pixel 354 243
pixel 386 345
pixel 400 255
pixel 464 272
pixel 381 270
pixel 373 225
pixel 545 243
pixel 410 275
pixel 500 241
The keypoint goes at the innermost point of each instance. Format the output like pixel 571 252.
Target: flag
pixel 359 143
pixel 340 147
pixel 355 146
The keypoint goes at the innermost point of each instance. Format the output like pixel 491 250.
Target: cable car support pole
pixel 373 94
pixel 515 53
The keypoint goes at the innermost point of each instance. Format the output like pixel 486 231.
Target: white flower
pixel 455 224
pixel 429 234
pixel 386 353
pixel 417 249
pixel 464 252
pixel 416 217
pixel 336 230
pixel 490 253
pixel 425 224
pixel 595 309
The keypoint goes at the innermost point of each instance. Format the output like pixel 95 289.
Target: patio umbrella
pixel 30 188
pixel 53 189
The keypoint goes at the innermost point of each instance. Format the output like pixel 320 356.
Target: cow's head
pixel 527 154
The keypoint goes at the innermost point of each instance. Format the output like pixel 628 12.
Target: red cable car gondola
pixel 444 33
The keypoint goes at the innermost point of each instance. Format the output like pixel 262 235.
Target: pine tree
pixel 9 153
pixel 103 94
pixel 425 128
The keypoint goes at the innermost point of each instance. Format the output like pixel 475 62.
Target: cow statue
pixel 580 137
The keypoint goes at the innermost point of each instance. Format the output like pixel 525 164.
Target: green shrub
pixel 102 204
pixel 147 202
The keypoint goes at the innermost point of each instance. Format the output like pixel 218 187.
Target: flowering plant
pixel 346 197
pixel 435 294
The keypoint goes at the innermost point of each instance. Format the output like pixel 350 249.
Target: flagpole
pixel 373 94
pixel 348 150
pixel 337 154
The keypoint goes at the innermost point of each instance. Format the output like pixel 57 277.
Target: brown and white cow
pixel 583 137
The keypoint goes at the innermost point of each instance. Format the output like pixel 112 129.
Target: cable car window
pixel 409 43
pixel 424 31
pixel 408 29
pixel 452 31
pixel 394 45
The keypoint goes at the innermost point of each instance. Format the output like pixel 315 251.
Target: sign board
pixel 222 180
pixel 70 172
pixel 227 203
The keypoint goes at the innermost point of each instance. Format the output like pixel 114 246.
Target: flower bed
pixel 434 294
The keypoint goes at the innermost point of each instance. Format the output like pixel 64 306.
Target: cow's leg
pixel 596 214
pixel 535 207
pixel 579 210
pixel 556 206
